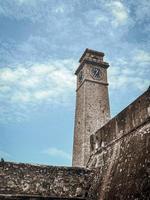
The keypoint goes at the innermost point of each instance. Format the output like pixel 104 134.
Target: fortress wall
pixel 120 151
pixel 42 181
pixel 125 122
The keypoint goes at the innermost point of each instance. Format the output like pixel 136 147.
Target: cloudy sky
pixel 41 42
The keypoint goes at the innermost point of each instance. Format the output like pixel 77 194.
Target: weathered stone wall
pixel 121 152
pixel 43 181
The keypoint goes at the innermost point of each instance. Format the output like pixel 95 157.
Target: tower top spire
pixel 91 53
pixel 92 57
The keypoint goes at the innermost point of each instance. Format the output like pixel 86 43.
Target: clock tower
pixel 92 103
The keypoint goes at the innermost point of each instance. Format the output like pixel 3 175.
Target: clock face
pixel 96 72
pixel 81 76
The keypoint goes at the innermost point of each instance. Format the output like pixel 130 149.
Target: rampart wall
pixel 120 152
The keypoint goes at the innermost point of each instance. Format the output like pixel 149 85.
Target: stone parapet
pixel 26 180
pixel 132 117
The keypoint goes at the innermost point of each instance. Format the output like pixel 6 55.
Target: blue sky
pixel 41 42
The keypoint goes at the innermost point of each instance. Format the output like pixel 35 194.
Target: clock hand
pixel 96 73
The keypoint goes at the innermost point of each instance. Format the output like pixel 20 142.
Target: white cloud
pixel 31 2
pixel 31 86
pixel 122 78
pixel 37 80
pixel 7 75
pixel 60 9
pixel 21 97
pixel 130 71
pixel 40 95
pixel 55 152
pixel 100 19
pixel 141 9
pixel 142 56
pixel 31 82
pixel 42 69
pixel 119 12
pixel 1 11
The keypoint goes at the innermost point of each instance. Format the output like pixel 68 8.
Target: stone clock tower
pixel 92 103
